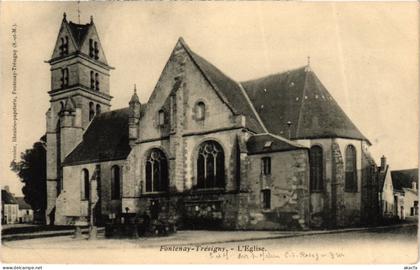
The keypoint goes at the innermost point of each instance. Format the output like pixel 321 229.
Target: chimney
pixel 383 163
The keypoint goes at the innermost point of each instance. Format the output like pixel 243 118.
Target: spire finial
pixel 135 89
pixel 91 19
pixel 64 16
pixel 309 61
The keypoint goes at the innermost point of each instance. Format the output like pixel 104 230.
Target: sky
pixel 366 54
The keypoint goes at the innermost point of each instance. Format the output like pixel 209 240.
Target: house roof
pixel 7 197
pixel 22 204
pixel 404 178
pixel 298 96
pixel 105 139
pixel 79 32
pixel 228 90
pixel 267 143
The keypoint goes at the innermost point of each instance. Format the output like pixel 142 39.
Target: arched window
pixel 92 80
pixel 61 106
pixel 210 166
pixel 161 116
pixel 91 111
pixel 351 170
pixel 98 109
pixel 96 50
pixel 316 169
pixel 115 183
pixel 156 172
pixel 64 46
pixel 96 81
pixel 84 184
pixel 91 50
pixel 200 111
pixel 64 77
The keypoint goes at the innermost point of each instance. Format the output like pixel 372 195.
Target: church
pixel 205 151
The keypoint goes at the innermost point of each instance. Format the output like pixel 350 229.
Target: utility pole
pixel 93 199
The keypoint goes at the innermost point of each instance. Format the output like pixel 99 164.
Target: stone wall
pixel 288 184
pixel 71 207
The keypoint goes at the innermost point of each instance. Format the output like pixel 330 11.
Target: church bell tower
pixel 79 90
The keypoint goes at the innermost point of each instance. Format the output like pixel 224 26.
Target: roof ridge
pixel 252 107
pixel 302 103
pixel 274 74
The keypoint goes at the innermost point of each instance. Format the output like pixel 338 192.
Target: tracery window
pixel 115 183
pixel 316 168
pixel 350 169
pixel 210 166
pixel 156 172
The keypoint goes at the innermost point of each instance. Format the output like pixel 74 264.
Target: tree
pixel 31 169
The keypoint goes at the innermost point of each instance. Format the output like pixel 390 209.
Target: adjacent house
pixel 26 214
pixel 388 202
pixel 9 207
pixel 405 183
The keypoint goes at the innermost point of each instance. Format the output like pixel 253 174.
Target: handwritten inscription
pixel 252 252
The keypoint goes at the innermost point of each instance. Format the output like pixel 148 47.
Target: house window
pixel 350 169
pixel 210 166
pixel 84 186
pixel 98 109
pixel 64 77
pixel 266 198
pixel 266 165
pixel 92 80
pixel 115 182
pixel 200 111
pixel 316 168
pixel 161 116
pixel 64 46
pixel 156 172
pixel 91 111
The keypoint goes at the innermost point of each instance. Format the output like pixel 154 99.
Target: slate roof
pixel 105 139
pixel 268 143
pixel 22 204
pixel 298 96
pixel 7 197
pixel 404 178
pixel 227 89
pixel 79 32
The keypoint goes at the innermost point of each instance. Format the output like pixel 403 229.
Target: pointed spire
pixel 91 19
pixel 308 64
pixel 64 16
pixel 134 97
